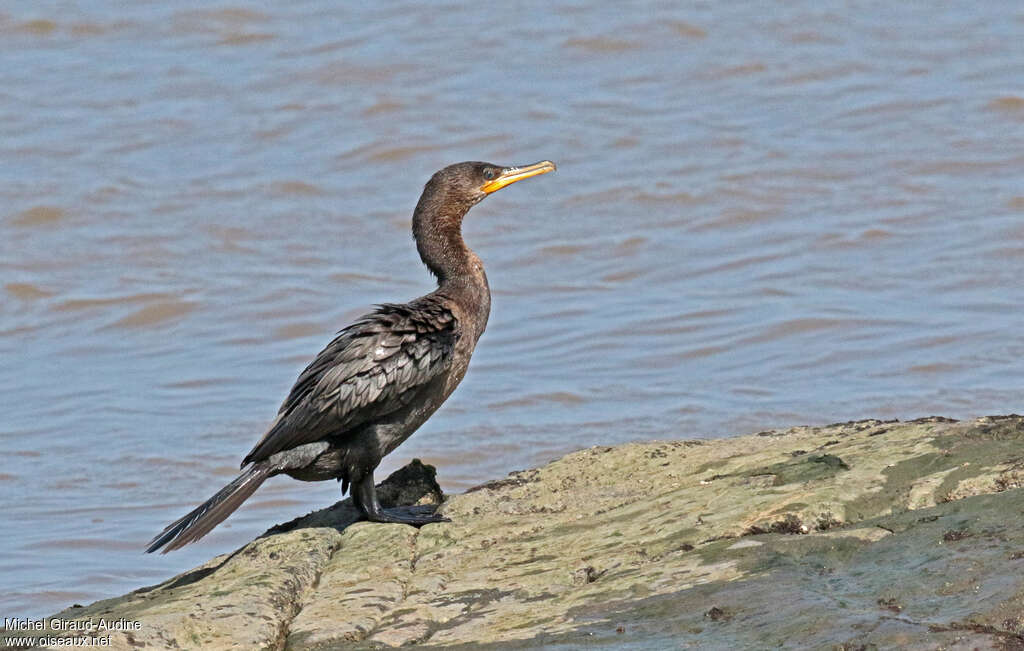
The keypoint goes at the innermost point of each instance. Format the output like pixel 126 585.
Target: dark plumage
pixel 382 376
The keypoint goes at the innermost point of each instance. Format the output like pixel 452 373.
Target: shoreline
pixel 882 532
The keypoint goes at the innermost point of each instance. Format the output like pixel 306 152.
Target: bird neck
pixel 438 235
pixel 459 271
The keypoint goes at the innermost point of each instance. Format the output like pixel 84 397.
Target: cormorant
pixel 384 375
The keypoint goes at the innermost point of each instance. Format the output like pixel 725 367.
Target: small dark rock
pixel 830 460
pixel 409 485
pixel 956 534
pixel 890 604
pixel 620 629
pixel 586 575
pixel 788 525
pixel 717 614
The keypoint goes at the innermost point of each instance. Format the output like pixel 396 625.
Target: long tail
pixel 210 513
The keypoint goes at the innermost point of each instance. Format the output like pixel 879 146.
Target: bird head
pixel 466 184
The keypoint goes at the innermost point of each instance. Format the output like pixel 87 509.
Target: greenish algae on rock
pixel 856 535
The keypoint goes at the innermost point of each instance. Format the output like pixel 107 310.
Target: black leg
pixel 365 496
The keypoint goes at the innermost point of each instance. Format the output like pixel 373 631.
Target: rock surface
pixel 848 536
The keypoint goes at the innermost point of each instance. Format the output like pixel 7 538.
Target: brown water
pixel 761 217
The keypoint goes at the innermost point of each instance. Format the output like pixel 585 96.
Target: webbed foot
pixel 416 516
pixel 365 496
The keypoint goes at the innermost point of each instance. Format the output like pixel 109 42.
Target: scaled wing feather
pixel 372 368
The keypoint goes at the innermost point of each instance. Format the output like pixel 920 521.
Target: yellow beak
pixel 510 175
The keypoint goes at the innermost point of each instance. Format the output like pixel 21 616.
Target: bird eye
pixel 489 174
